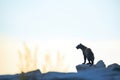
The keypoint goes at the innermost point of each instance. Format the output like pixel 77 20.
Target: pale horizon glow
pixel 58 26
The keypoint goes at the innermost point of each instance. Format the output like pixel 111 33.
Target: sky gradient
pixel 61 25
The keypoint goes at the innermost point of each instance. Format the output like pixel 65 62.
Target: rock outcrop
pixel 97 71
pixel 114 67
pixel 82 67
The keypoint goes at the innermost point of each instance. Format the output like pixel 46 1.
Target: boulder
pixel 114 67
pixel 100 64
pixel 32 75
pixel 82 67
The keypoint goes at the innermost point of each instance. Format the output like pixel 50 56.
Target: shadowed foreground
pixel 98 71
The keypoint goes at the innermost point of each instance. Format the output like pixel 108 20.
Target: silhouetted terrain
pixel 99 71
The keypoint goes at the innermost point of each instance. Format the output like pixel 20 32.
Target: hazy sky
pixel 96 19
pixel 96 22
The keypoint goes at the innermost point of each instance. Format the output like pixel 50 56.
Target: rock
pixel 100 64
pixel 32 75
pixel 82 67
pixel 114 67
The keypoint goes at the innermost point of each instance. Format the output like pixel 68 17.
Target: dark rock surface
pixel 114 67
pixel 97 71
pixel 82 67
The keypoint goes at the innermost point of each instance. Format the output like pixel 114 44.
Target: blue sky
pixel 64 19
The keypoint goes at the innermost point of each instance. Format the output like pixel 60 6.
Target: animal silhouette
pixel 87 53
